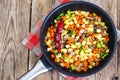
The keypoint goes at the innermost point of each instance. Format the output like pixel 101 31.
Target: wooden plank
pixel 111 70
pixel 14 26
pixel 111 8
pixel 39 8
pixel 118 51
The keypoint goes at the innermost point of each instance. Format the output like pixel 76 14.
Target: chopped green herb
pixel 72 32
pixel 99 45
pixel 102 24
pixel 94 14
pixel 81 48
pixel 96 23
pixel 73 67
pixel 69 13
pixel 59 17
pixel 104 55
pixel 55 51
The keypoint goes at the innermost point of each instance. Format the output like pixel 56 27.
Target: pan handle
pixel 37 69
pixel 118 34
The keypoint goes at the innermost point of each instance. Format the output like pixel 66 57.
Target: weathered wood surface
pixel 18 17
pixel 118 49
pixel 14 26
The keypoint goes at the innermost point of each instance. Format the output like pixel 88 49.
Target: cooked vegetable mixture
pixel 77 40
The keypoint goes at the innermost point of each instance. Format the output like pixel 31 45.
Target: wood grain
pixel 118 51
pixel 39 8
pixel 14 26
pixel 109 7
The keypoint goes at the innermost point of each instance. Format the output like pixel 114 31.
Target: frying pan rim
pixel 86 3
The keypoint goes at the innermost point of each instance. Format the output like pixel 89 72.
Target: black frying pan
pixel 48 62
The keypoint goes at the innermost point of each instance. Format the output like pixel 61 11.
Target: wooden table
pixel 18 17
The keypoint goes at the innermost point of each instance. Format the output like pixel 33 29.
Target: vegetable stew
pixel 77 40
